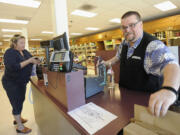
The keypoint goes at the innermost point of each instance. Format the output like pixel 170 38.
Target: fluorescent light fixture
pixel 164 6
pixel 35 39
pixel 7 35
pixel 47 32
pixel 92 28
pixel 76 33
pixel 26 3
pixel 83 13
pixel 115 20
pixel 10 30
pixel 13 21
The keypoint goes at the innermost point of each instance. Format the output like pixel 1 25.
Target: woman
pixel 18 67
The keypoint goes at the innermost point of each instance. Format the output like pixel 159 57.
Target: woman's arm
pixel 29 61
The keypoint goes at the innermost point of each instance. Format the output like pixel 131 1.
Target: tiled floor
pixel 6 118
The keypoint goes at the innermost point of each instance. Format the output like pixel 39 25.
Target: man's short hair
pixel 129 13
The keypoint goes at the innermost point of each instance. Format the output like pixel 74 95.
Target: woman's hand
pixel 34 60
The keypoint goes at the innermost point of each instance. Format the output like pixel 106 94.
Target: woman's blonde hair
pixel 15 39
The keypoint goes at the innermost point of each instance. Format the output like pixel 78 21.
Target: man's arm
pixel 111 61
pixel 116 58
pixel 160 101
pixel 171 76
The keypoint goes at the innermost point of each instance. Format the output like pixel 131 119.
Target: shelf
pixel 37 51
pixel 174 37
pixel 88 49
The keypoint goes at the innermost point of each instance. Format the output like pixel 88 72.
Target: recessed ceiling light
pixel 26 3
pixel 11 30
pixel 47 32
pixel 92 28
pixel 35 39
pixel 76 33
pixel 164 6
pixel 115 20
pixel 13 21
pixel 7 35
pixel 83 13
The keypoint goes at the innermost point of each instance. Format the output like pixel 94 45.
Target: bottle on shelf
pixel 110 78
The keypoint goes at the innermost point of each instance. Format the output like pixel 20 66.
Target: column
pixel 59 17
pixel 25 34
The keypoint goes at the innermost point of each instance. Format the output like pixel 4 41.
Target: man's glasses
pixel 132 25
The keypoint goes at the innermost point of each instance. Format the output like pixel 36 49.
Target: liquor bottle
pixel 110 78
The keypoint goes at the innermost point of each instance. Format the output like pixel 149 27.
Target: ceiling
pixel 41 20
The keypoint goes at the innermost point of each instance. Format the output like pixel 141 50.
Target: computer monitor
pixel 61 43
pixel 47 43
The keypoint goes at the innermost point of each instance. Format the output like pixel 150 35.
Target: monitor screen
pixel 47 43
pixel 61 42
pixel 59 56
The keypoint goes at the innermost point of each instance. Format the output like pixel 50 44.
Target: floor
pixel 6 118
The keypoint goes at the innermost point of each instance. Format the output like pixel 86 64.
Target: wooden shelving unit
pixel 86 50
pixel 169 37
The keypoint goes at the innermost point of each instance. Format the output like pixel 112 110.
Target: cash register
pixel 61 58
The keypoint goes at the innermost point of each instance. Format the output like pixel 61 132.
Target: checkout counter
pixel 52 117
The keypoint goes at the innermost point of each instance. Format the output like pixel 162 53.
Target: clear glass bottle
pixel 110 78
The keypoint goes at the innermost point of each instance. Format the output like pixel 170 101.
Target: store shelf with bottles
pixel 160 35
pixel 173 37
pixel 169 37
pixel 108 45
pixel 40 52
pixel 112 44
pixel 1 62
pixel 2 51
pixel 86 49
pixel 116 42
pixel 91 52
pixel 79 52
pixel 78 49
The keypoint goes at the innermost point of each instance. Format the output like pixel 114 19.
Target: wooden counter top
pixel 119 102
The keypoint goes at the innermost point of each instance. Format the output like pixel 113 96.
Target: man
pixel 146 64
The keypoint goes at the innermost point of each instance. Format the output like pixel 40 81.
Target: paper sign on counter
pixel 92 117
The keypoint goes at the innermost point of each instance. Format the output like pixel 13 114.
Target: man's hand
pixel 160 101
pixel 106 63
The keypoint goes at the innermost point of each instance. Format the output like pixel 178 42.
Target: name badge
pixel 136 57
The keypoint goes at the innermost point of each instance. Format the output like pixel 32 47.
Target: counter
pixel 52 118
